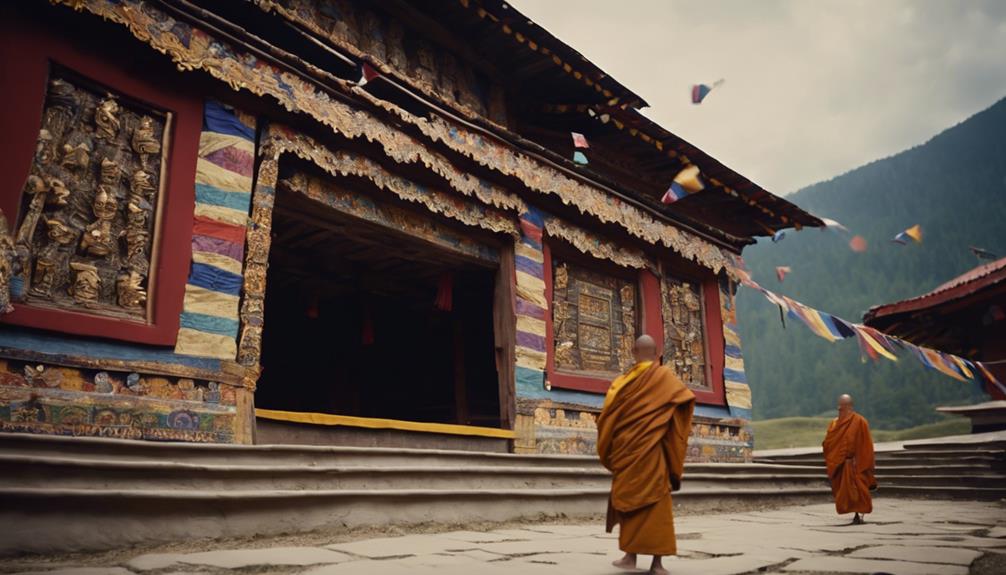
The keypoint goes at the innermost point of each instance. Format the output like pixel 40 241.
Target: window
pixel 594 320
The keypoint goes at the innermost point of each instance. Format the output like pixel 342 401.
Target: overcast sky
pixel 813 88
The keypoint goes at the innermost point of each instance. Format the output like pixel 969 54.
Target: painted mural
pixel 44 398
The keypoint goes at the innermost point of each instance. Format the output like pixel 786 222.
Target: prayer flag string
pixel 872 342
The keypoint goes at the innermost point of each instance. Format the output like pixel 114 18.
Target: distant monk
pixel 848 454
pixel 642 433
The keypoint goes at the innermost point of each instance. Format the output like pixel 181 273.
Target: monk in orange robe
pixel 642 435
pixel 848 455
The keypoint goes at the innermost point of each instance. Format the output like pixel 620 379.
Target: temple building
pixel 965 316
pixel 350 223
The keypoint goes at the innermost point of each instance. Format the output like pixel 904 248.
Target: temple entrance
pixel 366 321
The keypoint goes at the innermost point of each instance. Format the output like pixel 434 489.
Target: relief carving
pixel 594 320
pixel 86 283
pixel 684 331
pixel 97 198
pixel 6 265
pixel 144 142
pixel 105 120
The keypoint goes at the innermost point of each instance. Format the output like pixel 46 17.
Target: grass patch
pixel 809 431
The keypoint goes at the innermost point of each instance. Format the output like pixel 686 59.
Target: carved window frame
pixel 31 54
pixel 588 381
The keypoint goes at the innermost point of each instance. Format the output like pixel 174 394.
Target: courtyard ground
pixel 901 537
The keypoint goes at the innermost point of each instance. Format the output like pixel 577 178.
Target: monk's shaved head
pixel 645 348
pixel 844 404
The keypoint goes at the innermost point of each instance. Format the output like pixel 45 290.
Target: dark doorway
pixel 352 325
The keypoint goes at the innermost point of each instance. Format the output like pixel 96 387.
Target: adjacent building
pixel 965 316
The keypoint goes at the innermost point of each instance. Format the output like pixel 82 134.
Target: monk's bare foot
pixel 657 568
pixel 628 562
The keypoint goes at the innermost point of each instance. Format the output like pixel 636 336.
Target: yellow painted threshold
pixel 375 423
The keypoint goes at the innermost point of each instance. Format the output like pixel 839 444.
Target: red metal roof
pixel 977 279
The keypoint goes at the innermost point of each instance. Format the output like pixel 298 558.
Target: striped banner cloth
pixel 209 321
pixel 531 305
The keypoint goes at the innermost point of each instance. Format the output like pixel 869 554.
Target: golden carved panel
pixel 89 206
pixel 684 331
pixel 594 320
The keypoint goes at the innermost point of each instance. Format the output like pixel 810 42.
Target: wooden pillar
pixel 505 335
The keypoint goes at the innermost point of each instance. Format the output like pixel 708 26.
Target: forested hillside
pixel 954 185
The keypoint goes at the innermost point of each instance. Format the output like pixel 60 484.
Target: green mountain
pixel 954 185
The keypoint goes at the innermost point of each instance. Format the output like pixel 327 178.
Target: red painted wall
pixel 26 50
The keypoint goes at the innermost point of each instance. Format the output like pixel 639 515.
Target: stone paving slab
pixel 393 546
pixel 241 558
pixel 849 565
pixel 948 555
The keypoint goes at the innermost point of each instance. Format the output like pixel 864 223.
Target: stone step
pixel 987 480
pixel 105 449
pixel 72 473
pixel 50 519
pixel 818 460
pixel 929 492
pixel 912 467
pixel 957 446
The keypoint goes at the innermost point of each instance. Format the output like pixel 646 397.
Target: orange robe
pixel 642 435
pixel 848 455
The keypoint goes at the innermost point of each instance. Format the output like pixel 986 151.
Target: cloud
pixel 813 89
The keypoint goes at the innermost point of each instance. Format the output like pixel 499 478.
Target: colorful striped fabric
pixel 209 321
pixel 735 381
pixel 531 305
pixel 688 181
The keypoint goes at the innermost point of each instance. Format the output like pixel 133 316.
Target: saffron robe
pixel 642 434
pixel 848 455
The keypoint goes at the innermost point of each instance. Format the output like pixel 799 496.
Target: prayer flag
pixel 700 91
pixel 830 223
pixel 857 244
pixel 688 181
pixel 367 73
pixel 781 271
pixel 579 140
pixel 579 158
pixel 778 236
pixel 913 233
pixel 983 254
pixel 864 333
pixel 673 194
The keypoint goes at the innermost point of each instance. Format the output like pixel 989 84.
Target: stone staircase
pixel 65 494
pixel 965 467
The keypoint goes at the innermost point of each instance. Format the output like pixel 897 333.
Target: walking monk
pixel 848 455
pixel 642 433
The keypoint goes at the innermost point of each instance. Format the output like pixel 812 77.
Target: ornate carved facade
pixel 684 331
pixel 89 205
pixel 594 320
